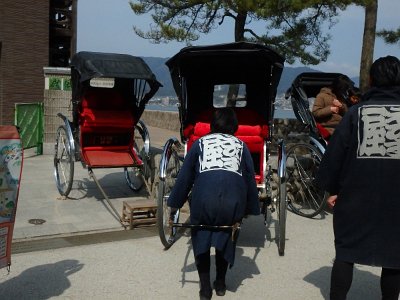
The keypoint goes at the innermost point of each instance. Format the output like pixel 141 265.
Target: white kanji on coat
pixel 220 152
pixel 379 132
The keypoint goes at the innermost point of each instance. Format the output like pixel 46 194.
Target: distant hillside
pixel 289 74
pixel 157 65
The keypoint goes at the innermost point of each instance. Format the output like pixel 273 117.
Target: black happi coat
pixel 362 166
pixel 219 170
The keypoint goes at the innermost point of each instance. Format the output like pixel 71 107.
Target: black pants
pixel 203 268
pixel 342 276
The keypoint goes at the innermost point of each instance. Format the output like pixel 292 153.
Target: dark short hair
pixel 224 121
pixel 341 85
pixel 385 72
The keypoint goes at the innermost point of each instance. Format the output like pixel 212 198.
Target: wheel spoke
pixel 306 199
pixel 136 175
pixel 63 162
pixel 312 193
pixel 166 231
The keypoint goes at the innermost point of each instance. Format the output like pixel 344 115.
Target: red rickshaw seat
pixel 106 124
pixel 102 107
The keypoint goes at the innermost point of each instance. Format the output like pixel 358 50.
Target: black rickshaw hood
pixel 312 82
pixel 191 59
pixel 96 64
pixel 125 69
pixel 237 47
pixel 187 58
pixel 195 69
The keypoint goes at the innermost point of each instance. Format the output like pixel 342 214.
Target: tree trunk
pixel 367 53
pixel 240 22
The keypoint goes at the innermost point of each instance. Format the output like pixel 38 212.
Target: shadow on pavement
pixel 40 282
pixel 365 285
pixel 113 184
pixel 253 234
pixel 245 267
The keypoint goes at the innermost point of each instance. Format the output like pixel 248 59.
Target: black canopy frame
pixel 195 70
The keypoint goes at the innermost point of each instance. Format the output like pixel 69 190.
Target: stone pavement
pixel 84 211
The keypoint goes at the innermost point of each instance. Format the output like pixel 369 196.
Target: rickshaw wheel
pixel 134 178
pixel 281 205
pixel 134 175
pixel 281 211
pixel 63 162
pixel 305 198
pixel 165 214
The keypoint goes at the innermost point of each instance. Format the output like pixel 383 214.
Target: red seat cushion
pixel 244 130
pixel 250 123
pixel 201 129
pixel 254 143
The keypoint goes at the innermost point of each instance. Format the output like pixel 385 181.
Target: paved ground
pixel 84 210
pixel 82 252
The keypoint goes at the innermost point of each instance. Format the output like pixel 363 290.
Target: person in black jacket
pixel 219 171
pixel 360 169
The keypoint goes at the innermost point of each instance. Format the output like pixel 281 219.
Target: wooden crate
pixel 137 212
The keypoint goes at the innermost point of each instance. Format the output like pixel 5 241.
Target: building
pixel 33 35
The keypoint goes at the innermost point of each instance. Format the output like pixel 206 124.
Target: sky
pixel 107 26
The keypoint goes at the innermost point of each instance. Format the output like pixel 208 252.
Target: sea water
pixel 279 113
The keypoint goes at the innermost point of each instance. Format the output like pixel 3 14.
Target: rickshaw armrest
pixel 323 131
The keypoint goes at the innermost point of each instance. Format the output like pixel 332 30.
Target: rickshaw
pixel 303 159
pixel 109 94
pixel 241 75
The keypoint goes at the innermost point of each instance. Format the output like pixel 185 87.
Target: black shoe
pixel 205 295
pixel 220 287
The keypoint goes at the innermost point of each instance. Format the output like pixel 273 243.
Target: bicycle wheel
pixel 63 162
pixel 281 204
pixel 135 175
pixel 170 165
pixel 305 198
